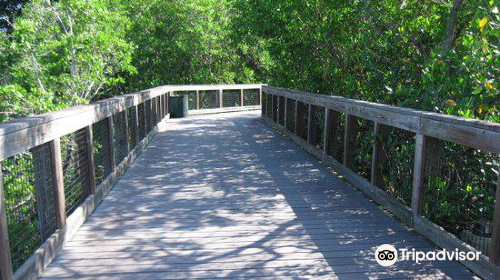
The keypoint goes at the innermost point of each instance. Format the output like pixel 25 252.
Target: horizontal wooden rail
pixel 430 130
pixel 23 134
pixel 469 132
pixel 122 127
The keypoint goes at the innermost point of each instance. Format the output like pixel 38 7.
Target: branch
pixel 450 35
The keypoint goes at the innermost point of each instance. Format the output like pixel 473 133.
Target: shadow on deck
pixel 224 196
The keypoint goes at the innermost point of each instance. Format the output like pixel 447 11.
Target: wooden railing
pixel 57 167
pixel 301 115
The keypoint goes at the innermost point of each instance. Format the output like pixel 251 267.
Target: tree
pixel 69 52
pixel 9 10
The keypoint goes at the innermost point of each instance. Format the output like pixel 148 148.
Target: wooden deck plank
pixel 223 196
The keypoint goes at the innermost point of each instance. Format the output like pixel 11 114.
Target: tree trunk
pixel 451 35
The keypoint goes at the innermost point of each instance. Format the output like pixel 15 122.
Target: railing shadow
pixel 228 197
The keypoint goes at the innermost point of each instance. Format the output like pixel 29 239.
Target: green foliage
pixel 64 53
pixel 384 51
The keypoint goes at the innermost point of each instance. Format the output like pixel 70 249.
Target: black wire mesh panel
pixel 290 114
pixel 269 107
pixel 209 99
pixel 141 121
pixel 102 162
pixel 158 110
pixel 167 102
pixel 275 109
pixel 231 98
pixel 364 148
pixel 120 136
pixel 317 128
pixel 336 141
pixel 163 112
pixel 250 97
pixel 302 117
pixel 132 126
pixel 29 200
pixel 75 169
pixel 281 110
pixel 460 186
pixel 154 116
pixel 147 115
pixel 394 168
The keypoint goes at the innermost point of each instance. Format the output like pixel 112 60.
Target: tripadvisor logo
pixel 387 255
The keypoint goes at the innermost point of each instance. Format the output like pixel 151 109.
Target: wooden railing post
pixel 197 100
pixel 221 99
pixel 278 109
pixel 351 133
pixel 160 107
pixel 6 271
pixel 150 117
pixel 135 112
pixel 242 102
pixel 285 117
pixel 111 143
pixel 311 135
pixel 167 103
pixel 260 96
pixel 90 159
pixel 494 253
pixel 428 153
pixel 297 114
pixel 59 196
pixel 125 122
pixel 332 119
pixel 379 157
pixel 273 112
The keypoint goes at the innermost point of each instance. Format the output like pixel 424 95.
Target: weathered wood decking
pixel 224 196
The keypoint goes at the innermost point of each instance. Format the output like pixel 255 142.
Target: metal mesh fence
pixel 132 126
pixel 120 136
pixel 231 98
pixel 251 97
pixel 336 140
pixel 102 163
pixel 209 99
pixel 29 199
pixel 395 162
pixel 269 108
pixel 75 169
pixel 281 110
pixel 302 117
pixel 154 115
pixel 158 109
pixel 163 111
pixel 317 128
pixel 147 115
pixel 290 115
pixel 141 118
pixel 460 191
pixel 364 148
pixel 167 102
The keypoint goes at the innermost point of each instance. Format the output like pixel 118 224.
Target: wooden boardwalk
pixel 224 196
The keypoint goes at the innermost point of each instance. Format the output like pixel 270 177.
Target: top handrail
pixel 469 132
pixel 22 134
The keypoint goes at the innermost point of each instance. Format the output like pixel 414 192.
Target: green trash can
pixel 179 106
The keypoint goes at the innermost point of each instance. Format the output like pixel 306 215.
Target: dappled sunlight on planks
pixel 224 196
